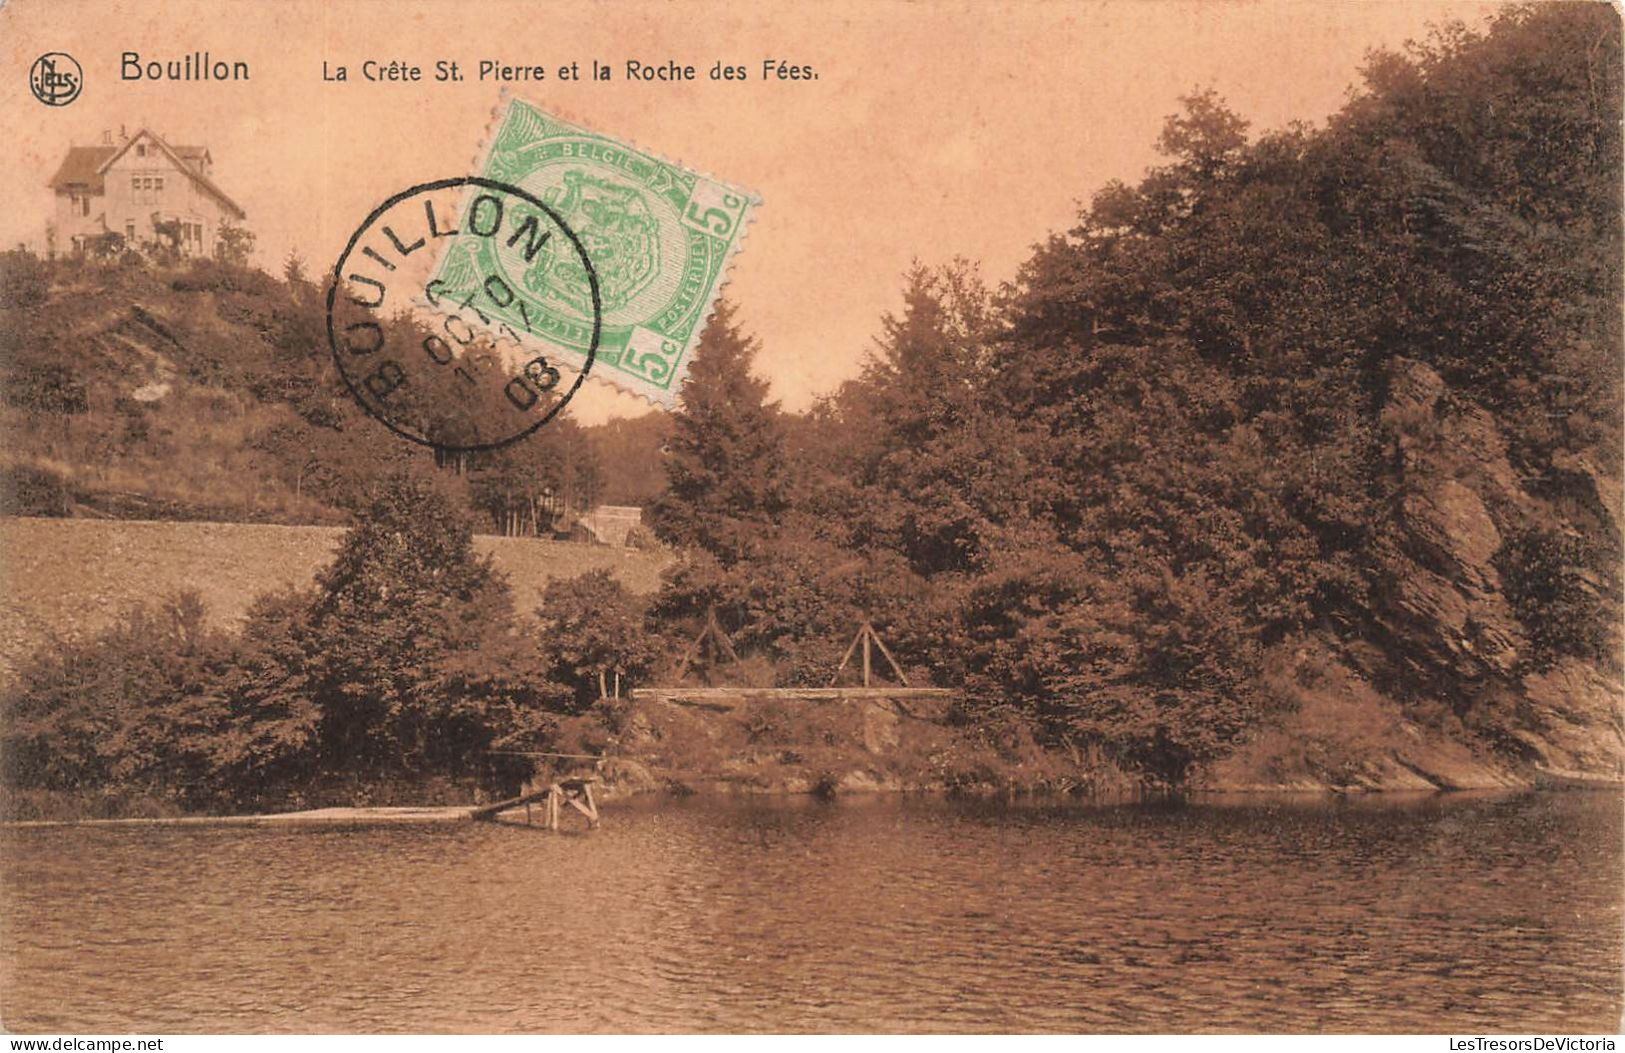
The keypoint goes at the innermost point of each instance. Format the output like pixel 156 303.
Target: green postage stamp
pixel 658 236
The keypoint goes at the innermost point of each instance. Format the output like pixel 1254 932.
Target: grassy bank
pixel 72 577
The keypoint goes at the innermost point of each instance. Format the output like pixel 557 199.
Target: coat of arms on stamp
pixel 659 237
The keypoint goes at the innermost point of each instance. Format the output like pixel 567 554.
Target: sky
pixel 932 131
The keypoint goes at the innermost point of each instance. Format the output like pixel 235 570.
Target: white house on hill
pixel 131 186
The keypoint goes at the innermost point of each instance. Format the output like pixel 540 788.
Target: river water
pixel 1453 913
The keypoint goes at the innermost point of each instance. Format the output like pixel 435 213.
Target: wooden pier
pixel 574 792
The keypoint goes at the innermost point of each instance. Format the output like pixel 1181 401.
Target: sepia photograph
pixel 1067 517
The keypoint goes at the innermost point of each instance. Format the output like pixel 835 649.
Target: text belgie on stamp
pixel 659 236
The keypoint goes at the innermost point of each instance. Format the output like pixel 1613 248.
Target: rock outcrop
pixel 1440 688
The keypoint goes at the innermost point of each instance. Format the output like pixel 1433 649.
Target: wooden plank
pixel 487 812
pixel 702 694
pixel 592 819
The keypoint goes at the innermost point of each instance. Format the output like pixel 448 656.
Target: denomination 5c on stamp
pixel 659 237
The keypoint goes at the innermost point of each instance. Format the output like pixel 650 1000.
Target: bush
pixel 133 709
pixel 1547 581
pixel 1158 671
pixel 27 490
pixel 24 279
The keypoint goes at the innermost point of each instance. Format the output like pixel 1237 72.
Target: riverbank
pixel 829 747
pixel 786 746
pixel 882 745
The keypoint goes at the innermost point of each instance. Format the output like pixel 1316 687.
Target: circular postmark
pixel 452 386
pixel 56 78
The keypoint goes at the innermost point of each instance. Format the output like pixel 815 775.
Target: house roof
pixel 82 167
pixel 87 166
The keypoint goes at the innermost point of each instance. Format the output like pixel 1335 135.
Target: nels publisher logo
pixel 56 78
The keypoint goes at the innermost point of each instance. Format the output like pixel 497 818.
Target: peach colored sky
pixel 934 130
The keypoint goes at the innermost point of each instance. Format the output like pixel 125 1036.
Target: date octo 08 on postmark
pixel 462 378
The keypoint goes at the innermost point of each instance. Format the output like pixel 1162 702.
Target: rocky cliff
pixel 1443 685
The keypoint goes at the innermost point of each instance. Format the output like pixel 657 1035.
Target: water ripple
pixel 1462 913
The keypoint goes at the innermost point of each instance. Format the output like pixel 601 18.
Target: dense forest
pixel 1298 409
pixel 1181 442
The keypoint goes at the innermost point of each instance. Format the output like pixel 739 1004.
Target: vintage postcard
pixel 1083 517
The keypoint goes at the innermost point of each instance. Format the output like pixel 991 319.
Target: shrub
pixel 1546 579
pixel 24 279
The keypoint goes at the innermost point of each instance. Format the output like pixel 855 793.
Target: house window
pixel 84 205
pixel 129 232
pixel 144 188
pixel 141 149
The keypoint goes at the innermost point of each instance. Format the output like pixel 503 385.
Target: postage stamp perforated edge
pixel 665 394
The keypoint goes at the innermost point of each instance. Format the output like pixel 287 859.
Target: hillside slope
pixel 200 391
pixel 71 577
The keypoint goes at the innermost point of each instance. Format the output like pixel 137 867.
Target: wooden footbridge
pixel 576 791
pixel 867 642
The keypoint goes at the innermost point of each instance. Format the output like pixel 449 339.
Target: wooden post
pixel 553 795
pixel 895 668
pixel 579 797
pixel 710 635
pixel 527 813
pixel 869 639
pixel 845 658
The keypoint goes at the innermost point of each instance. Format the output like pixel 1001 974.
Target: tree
pixel 522 486
pixel 166 243
pixel 1159 671
pixel 236 243
pixel 591 635
pixel 931 466
pixel 293 270
pixel 417 666
pixel 725 468
pixel 24 279
pixel 134 709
